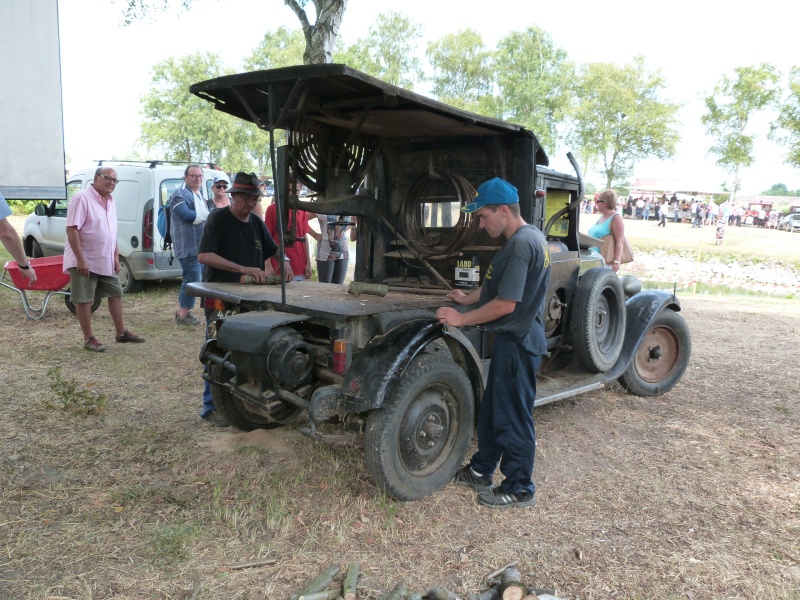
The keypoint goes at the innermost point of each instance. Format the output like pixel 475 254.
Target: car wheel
pixel 36 250
pixel 662 357
pixel 71 305
pixel 232 408
pixel 417 440
pixel 598 319
pixel 126 279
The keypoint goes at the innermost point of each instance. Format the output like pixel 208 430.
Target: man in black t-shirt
pixel 511 304
pixel 236 242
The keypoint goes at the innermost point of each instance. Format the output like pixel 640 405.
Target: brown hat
pixel 246 183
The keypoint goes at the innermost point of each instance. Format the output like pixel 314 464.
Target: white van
pixel 142 189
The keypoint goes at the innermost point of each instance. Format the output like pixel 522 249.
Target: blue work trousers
pixel 506 432
pixel 192 273
pixel 208 402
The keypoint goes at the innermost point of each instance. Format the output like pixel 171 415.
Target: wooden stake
pixel 357 288
pixel 351 581
pixel 399 591
pixel 442 594
pixel 330 594
pixel 254 563
pixel 497 572
pixel 319 583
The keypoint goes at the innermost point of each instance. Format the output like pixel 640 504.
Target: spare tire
pixel 598 319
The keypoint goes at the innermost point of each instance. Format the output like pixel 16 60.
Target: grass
pixel 691 494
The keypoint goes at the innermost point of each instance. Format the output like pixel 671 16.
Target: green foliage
pixel 462 70
pixel 619 119
pixel 281 48
pixel 729 108
pixel 780 189
pixel 786 129
pixel 171 542
pixel 180 126
pixel 387 52
pixel 22 208
pixel 534 78
pixel 68 395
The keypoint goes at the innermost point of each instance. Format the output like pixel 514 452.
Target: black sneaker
pixel 216 419
pixel 497 498
pixel 467 477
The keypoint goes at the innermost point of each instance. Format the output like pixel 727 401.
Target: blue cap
pixel 494 191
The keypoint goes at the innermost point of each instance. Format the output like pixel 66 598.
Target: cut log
pixel 511 587
pixel 351 581
pixel 331 594
pixel 492 593
pixel 319 583
pixel 357 288
pixel 400 591
pixel 270 280
pixel 442 594
pixel 537 591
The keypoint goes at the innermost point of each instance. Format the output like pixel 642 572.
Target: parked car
pixel 790 222
pixel 379 371
pixel 143 187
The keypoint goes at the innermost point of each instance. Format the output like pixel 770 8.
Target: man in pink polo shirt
pixel 91 257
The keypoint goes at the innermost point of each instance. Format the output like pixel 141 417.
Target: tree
pixel 617 118
pixel 320 36
pixel 387 52
pixel 281 48
pixel 780 189
pixel 729 108
pixel 182 126
pixel 534 78
pixel 462 71
pixel 786 130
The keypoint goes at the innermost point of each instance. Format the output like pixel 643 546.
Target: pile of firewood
pixel 503 584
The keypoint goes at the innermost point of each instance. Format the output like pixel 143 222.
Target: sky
pixel 106 65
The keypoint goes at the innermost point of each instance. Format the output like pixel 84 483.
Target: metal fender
pixel 641 310
pixel 376 371
pixel 249 332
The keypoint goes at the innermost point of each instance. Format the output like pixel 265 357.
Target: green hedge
pixel 24 207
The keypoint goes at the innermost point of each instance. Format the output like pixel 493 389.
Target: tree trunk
pixel 321 36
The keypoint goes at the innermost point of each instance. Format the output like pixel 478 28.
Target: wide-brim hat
pixel 246 183
pixel 494 191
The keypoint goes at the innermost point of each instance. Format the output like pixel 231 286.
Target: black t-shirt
pixel 520 272
pixel 247 244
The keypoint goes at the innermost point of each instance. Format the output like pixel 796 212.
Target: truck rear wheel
pixel 598 320
pixel 662 357
pixel 233 409
pixel 417 440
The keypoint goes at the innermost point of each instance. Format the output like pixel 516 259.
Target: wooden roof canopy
pixel 336 95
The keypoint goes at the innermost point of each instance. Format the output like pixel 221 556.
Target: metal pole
pixel 278 199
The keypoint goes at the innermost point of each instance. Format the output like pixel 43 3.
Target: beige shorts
pixel 86 289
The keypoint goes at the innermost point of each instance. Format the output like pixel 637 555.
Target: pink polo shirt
pixel 97 229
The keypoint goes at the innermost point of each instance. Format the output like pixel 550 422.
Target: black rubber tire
pixel 598 319
pixel 71 305
pixel 662 357
pixel 434 393
pixel 233 409
pixel 130 285
pixel 36 250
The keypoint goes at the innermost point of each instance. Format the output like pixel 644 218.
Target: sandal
pixel 129 337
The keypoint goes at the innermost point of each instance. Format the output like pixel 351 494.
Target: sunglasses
pixel 221 186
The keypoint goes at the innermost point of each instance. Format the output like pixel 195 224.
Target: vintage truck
pixel 380 371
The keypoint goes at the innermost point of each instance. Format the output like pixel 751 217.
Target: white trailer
pixel 32 161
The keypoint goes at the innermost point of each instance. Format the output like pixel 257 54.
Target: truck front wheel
pixel 417 440
pixel 662 357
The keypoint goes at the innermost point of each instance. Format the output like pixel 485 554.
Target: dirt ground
pixel 694 494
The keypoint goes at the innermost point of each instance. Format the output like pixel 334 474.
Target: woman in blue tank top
pixel 609 223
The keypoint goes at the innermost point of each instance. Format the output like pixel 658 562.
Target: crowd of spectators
pixel 699 213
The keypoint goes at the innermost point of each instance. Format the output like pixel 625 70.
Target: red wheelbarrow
pixel 50 278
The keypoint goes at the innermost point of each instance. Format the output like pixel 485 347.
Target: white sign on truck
pixel 31 122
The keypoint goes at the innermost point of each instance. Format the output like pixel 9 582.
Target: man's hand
pixel 287 271
pixel 29 274
pixel 449 316
pixel 307 272
pixel 117 266
pixel 257 274
pixel 457 296
pixel 83 267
